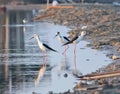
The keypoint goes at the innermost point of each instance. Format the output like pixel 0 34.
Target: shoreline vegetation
pixel 103 33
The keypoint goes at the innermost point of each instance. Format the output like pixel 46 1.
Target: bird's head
pixel 35 36
pixel 57 34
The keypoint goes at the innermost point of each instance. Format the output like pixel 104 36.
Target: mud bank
pixel 103 23
pixel 103 33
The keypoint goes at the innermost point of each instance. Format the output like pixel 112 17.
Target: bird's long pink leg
pixel 75 57
pixel 65 52
pixel 65 49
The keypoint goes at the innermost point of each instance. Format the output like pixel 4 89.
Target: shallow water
pixel 21 60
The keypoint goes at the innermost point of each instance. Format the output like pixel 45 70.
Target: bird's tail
pixel 67 43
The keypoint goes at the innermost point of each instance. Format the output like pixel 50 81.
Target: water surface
pixel 21 58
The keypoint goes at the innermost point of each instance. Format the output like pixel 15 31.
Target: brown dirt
pixel 103 22
pixel 103 30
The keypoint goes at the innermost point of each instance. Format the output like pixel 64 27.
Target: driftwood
pixel 43 16
pixel 51 14
pixel 59 7
pixel 99 76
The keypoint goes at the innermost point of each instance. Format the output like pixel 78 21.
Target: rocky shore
pixel 103 33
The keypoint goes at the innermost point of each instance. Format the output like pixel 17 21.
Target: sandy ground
pixel 103 33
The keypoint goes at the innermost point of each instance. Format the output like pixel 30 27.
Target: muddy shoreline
pixel 103 33
pixel 102 21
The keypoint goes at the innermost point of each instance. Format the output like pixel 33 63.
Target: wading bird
pixel 42 46
pixel 63 40
pixel 76 40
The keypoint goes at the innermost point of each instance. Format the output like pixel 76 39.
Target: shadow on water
pixel 21 58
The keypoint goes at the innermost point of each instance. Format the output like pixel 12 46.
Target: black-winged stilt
pixel 42 46
pixel 63 40
pixel 76 40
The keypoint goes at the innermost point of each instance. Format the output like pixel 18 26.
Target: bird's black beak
pixel 31 38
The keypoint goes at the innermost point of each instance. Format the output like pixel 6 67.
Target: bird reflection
pixel 43 48
pixel 40 74
pixel 64 66
pixel 76 39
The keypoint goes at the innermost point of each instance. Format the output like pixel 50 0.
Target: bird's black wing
pixel 66 38
pixel 71 41
pixel 49 47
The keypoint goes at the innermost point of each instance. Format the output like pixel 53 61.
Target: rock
pixel 114 57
